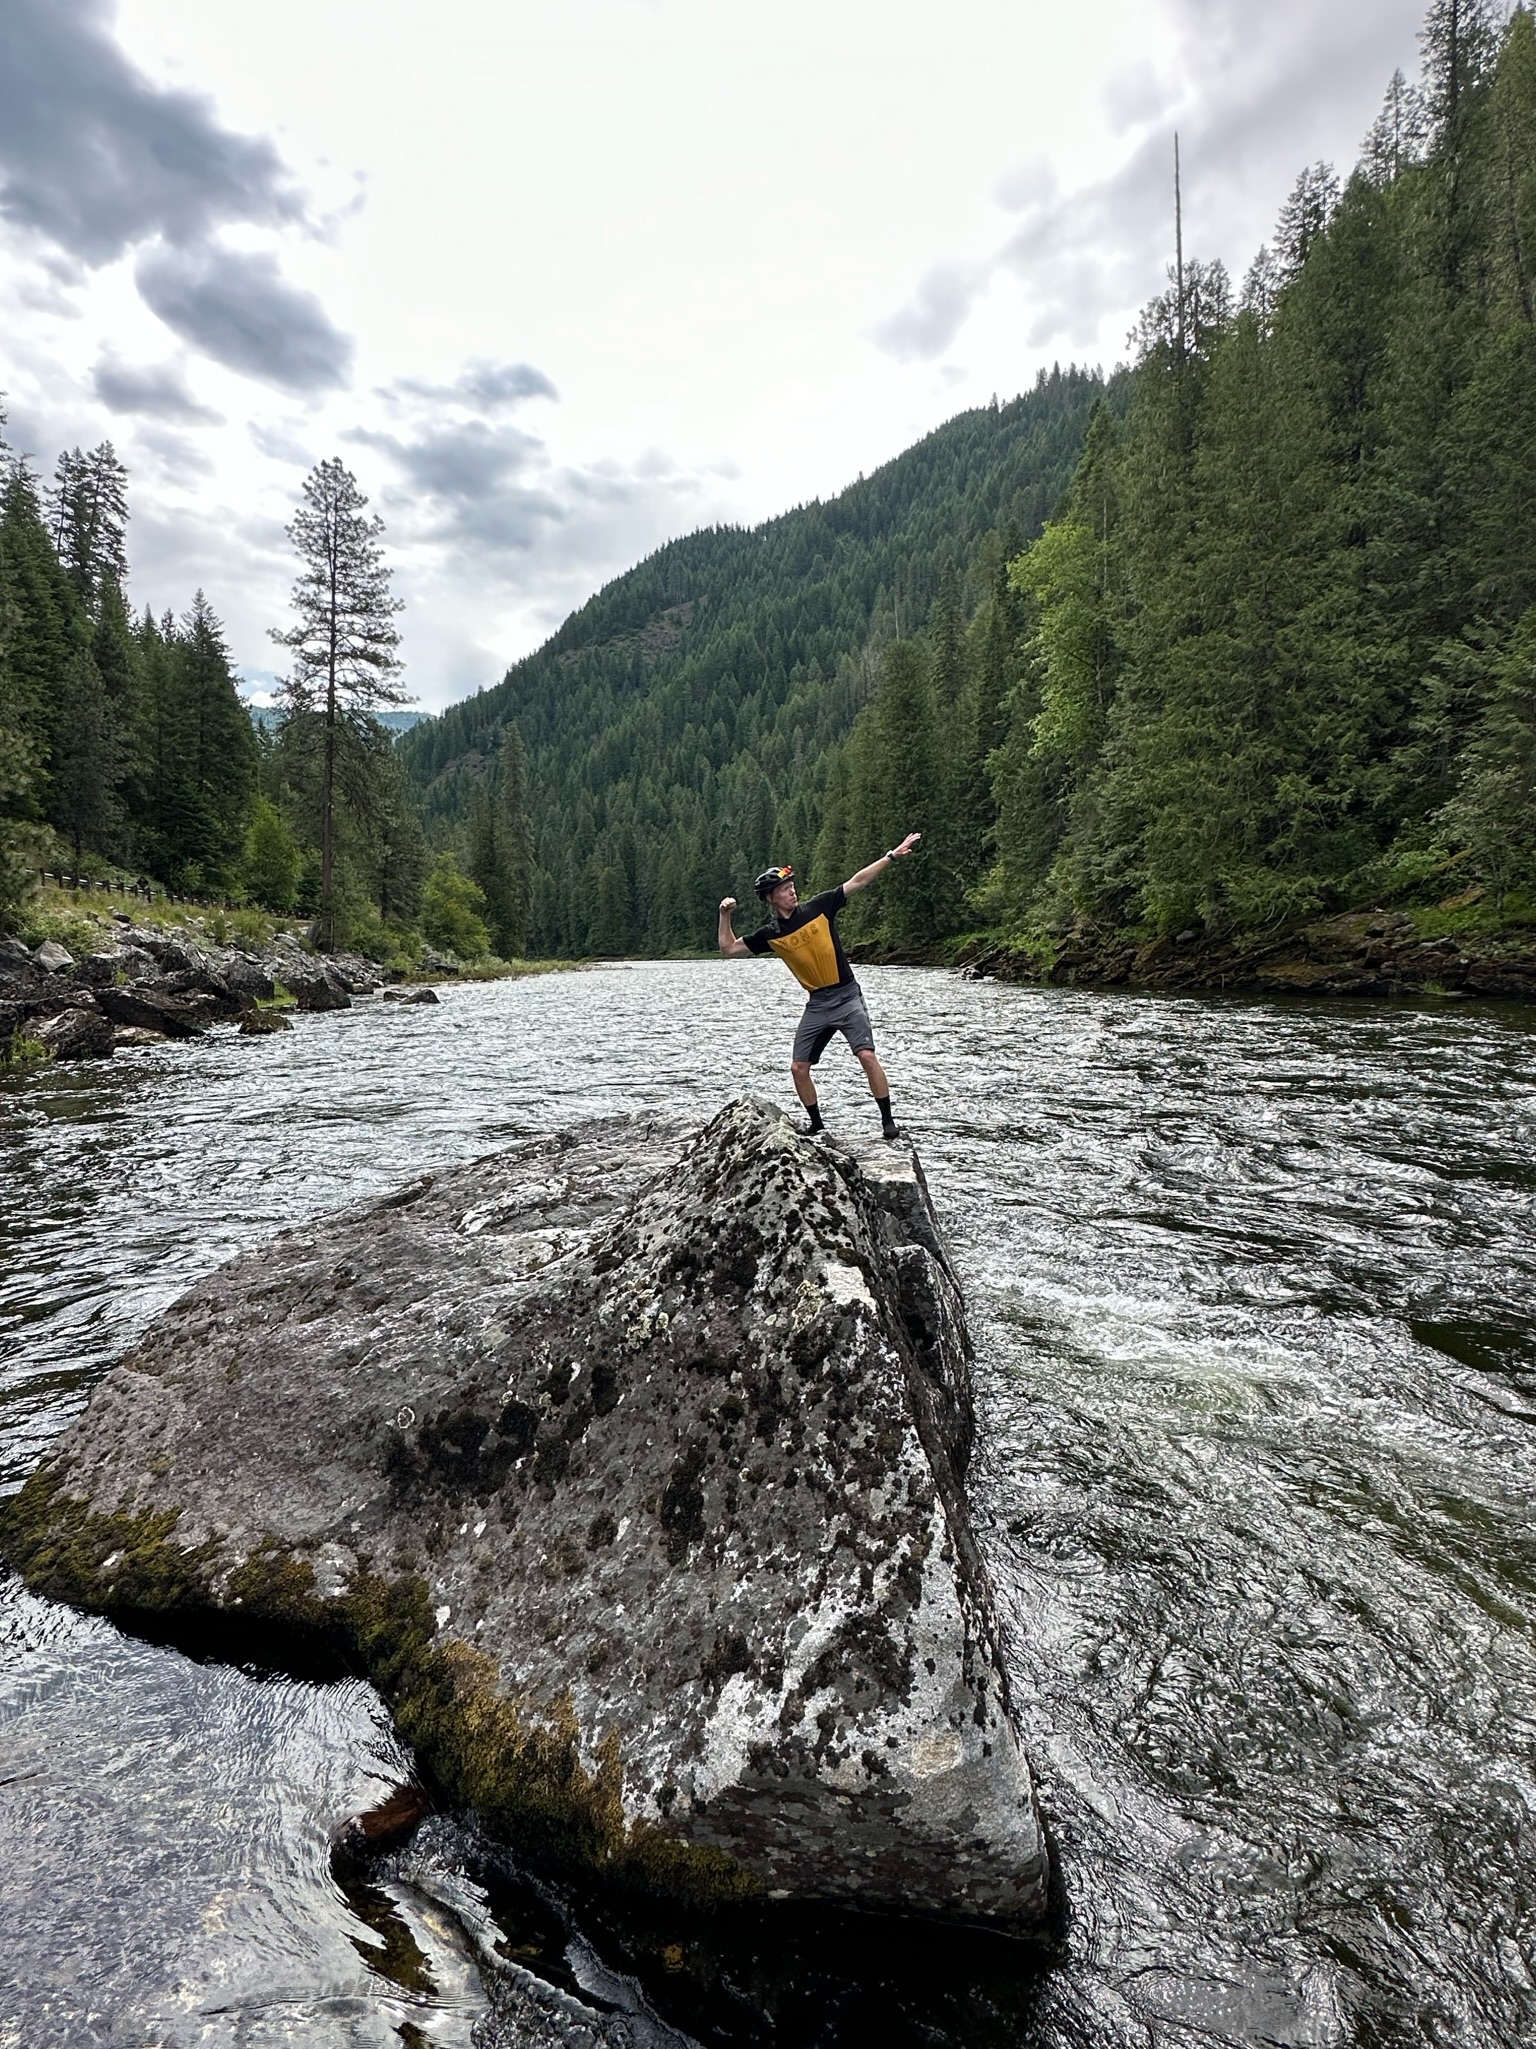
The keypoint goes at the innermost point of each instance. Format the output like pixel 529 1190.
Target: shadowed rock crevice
pixel 629 1465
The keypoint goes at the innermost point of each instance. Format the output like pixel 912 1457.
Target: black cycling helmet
pixel 770 879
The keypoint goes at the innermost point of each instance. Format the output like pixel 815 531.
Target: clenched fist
pixel 727 903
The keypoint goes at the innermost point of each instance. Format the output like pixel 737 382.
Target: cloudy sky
pixel 560 279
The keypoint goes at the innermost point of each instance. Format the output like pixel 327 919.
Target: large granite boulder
pixel 630 1467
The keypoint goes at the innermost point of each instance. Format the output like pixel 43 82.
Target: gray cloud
pixel 486 386
pixel 282 441
pixel 176 455
pixel 929 322
pixel 95 157
pixel 153 390
pixel 1264 91
pixel 472 483
pixel 235 306
pixel 485 502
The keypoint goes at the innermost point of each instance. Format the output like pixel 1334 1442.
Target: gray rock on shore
pixel 630 1467
pixel 77 1035
pixel 152 981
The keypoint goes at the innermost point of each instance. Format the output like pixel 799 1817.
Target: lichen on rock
pixel 629 1464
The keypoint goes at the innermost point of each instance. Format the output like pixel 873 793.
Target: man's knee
pixel 866 1056
pixel 800 1069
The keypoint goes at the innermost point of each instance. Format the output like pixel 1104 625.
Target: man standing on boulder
pixel 804 936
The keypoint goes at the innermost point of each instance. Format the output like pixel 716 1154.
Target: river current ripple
pixel 1254 1293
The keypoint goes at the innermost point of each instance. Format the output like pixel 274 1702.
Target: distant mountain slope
pixel 678 726
pixel 269 716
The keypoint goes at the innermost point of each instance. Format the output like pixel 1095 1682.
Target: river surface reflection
pixel 1254 1294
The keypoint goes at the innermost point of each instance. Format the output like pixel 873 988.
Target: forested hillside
pixel 125 747
pixel 1279 649
pixel 119 737
pixel 681 728
pixel 1273 654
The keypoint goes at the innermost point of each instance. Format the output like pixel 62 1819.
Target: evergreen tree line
pixel 124 744
pixel 1276 653
pixel 121 739
pixel 1242 634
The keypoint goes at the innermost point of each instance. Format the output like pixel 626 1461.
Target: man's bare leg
pixel 879 1088
pixel 805 1089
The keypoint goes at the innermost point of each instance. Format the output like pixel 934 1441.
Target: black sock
pixel 887 1121
pixel 813 1111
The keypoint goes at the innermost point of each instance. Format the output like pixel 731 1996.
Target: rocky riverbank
pixel 629 1464
pixel 144 983
pixel 1379 953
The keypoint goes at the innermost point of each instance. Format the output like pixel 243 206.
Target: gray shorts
pixel 830 1011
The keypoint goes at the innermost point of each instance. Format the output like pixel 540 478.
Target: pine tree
pixel 1398 135
pixel 19 849
pixel 88 519
pixel 896 788
pixel 1459 42
pixel 46 622
pixel 399 848
pixel 273 858
pixel 115 651
pixel 1493 813
pixel 196 752
pixel 1512 107
pixel 1304 219
pixel 509 927
pixel 85 759
pixel 345 642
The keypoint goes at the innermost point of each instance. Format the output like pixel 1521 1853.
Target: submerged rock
pixel 261 1024
pixel 631 1470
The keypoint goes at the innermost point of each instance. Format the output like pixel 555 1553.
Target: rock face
pixel 174 1016
pixel 631 1469
pixel 77 1035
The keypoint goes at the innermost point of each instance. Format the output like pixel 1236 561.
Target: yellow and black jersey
pixel 807 942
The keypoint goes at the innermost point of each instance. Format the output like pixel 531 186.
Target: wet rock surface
pixel 630 1465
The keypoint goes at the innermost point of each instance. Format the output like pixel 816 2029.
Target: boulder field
pixel 149 981
pixel 629 1464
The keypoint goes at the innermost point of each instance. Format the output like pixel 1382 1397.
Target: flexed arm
pixel 732 947
pixel 877 868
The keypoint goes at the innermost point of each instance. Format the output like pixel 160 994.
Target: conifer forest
pixel 1240 634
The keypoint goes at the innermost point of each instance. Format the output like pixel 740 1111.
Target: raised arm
pixel 732 947
pixel 876 869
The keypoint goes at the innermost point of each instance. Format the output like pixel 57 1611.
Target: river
pixel 1254 1294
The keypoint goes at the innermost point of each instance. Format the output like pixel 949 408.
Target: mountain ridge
pixel 679 724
